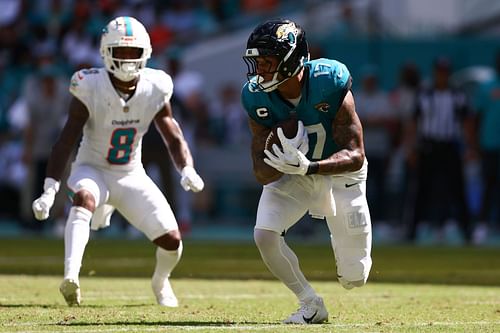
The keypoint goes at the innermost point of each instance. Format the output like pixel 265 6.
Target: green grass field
pixel 225 287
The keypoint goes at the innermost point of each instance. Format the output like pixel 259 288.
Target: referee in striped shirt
pixel 439 133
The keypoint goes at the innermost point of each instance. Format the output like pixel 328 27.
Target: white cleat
pixel 70 289
pixel 164 294
pixel 313 312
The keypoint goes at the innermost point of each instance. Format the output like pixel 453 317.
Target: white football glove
pixel 281 160
pixel 41 206
pixel 300 141
pixel 190 180
pixel 281 163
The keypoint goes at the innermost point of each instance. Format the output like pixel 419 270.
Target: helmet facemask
pixel 257 81
pixel 124 69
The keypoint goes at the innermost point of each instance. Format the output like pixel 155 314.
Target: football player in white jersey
pixel 113 107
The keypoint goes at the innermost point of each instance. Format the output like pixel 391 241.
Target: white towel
pixel 102 217
pixel 323 203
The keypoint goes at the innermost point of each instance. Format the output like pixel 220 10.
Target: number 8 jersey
pixel 325 86
pixel 112 135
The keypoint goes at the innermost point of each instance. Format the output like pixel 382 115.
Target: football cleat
pixel 313 312
pixel 163 291
pixel 70 289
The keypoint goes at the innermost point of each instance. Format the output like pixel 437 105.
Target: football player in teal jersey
pixel 321 171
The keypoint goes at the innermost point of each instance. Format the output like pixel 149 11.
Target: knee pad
pixel 351 284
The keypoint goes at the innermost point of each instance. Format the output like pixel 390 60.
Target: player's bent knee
pixel 351 284
pixel 265 238
pixel 85 199
pixel 169 241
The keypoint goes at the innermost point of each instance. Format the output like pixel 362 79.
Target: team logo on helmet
pixel 287 31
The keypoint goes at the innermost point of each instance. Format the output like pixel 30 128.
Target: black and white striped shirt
pixel 440 115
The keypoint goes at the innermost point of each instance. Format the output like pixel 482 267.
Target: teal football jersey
pixel 326 84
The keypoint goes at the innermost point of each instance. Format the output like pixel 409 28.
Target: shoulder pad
pixel 329 73
pixel 81 82
pixel 161 80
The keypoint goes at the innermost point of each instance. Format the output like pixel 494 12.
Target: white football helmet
pixel 125 31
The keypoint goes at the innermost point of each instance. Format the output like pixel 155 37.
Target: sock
pixel 76 237
pixel 283 263
pixel 166 261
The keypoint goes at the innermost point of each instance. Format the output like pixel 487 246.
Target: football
pixel 289 126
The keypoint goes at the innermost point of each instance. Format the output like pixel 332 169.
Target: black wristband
pixel 312 168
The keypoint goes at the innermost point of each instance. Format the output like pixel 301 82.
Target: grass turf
pixel 32 304
pixel 225 287
pixel 402 264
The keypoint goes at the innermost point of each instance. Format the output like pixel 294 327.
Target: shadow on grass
pixel 165 323
pixel 60 306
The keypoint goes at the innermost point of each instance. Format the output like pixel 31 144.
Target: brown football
pixel 289 126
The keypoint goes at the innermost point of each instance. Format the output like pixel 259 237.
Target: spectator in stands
pixel 13 172
pixel 439 132
pixel 47 99
pixel 12 179
pixel 347 25
pixel 78 45
pixel 403 100
pixel 227 117
pixel 488 110
pixel 187 95
pixel 379 124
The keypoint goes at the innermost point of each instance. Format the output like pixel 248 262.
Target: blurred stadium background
pixel 200 43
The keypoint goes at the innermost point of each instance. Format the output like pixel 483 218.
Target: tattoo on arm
pixel 263 172
pixel 348 135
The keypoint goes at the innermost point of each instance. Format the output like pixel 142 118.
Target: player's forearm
pixel 341 162
pixel 58 160
pixel 180 153
pixel 263 173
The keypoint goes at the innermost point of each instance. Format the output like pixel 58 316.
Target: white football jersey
pixel 112 136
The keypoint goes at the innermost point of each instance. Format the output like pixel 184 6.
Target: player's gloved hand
pixel 280 160
pixel 41 206
pixel 300 141
pixel 190 180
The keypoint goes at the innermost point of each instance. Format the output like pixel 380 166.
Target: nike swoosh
pixel 349 185
pixel 309 320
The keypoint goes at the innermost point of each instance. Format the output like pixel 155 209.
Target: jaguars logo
pixel 287 32
pixel 323 107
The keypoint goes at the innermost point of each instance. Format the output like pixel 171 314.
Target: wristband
pixel 51 184
pixel 312 168
pixel 187 170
